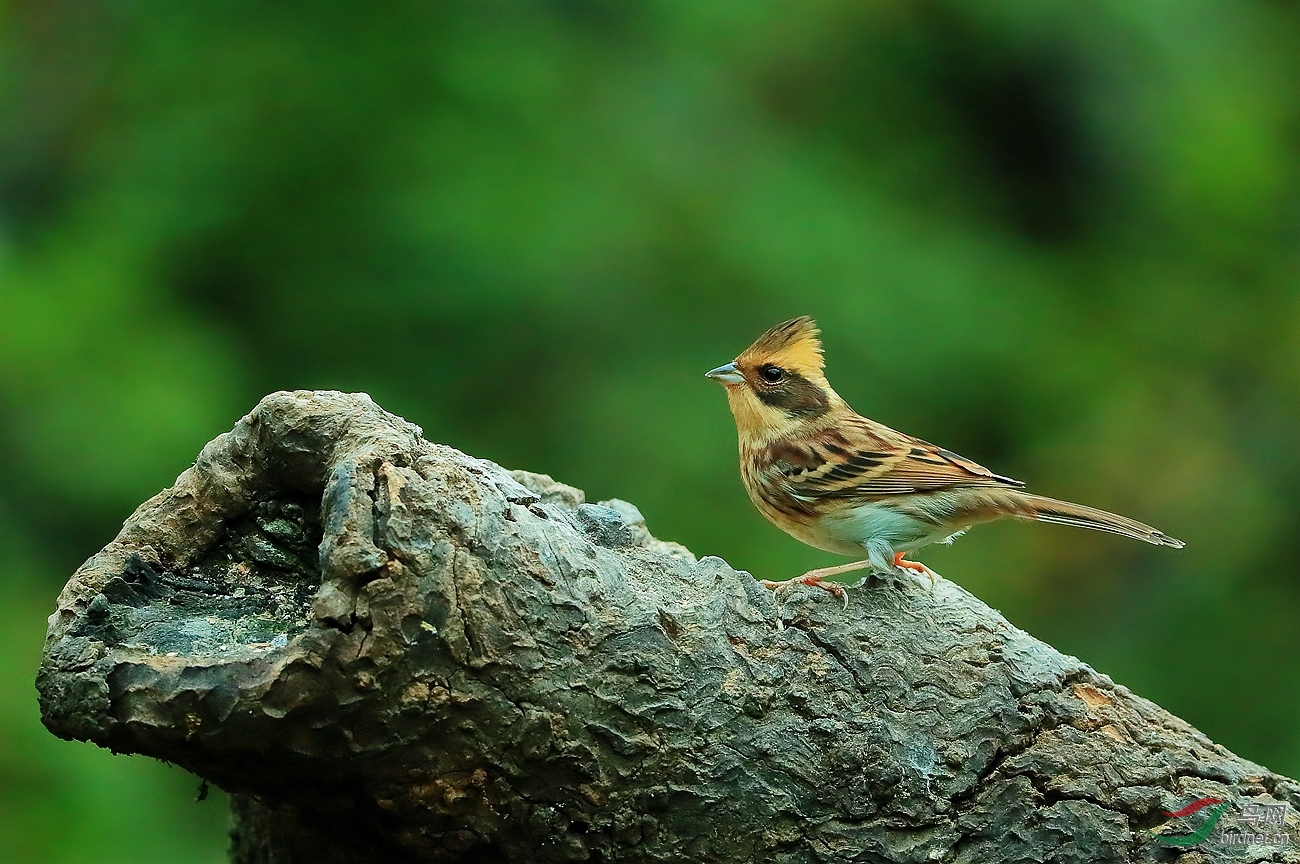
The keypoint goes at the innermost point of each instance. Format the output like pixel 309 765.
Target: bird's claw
pixel 811 580
pixel 904 565
pixel 909 571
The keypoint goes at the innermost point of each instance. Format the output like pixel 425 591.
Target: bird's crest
pixel 791 344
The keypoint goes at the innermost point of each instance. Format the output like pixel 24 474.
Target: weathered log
pixel 389 650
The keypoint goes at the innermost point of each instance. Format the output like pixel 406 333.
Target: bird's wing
pixel 858 458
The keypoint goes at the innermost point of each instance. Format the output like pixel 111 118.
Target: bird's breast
pixel 804 520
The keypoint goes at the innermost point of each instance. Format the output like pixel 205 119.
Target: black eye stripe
pixel 795 394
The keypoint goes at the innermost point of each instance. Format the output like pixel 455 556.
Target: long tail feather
pixel 1064 513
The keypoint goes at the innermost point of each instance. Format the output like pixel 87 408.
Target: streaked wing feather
pixel 861 459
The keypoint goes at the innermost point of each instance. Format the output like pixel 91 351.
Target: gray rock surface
pixel 390 651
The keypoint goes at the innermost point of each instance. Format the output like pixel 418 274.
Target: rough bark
pixel 389 650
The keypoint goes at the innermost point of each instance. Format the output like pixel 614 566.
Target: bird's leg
pixel 817 577
pixel 913 565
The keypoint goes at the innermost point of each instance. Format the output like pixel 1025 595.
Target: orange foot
pixel 909 565
pixel 813 579
pixel 913 565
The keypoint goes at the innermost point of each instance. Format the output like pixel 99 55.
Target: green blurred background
pixel 1059 238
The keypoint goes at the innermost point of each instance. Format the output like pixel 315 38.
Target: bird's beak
pixel 728 373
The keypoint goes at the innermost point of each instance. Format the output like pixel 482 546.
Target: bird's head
pixel 776 384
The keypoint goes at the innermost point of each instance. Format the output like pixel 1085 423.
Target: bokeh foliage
pixel 1059 238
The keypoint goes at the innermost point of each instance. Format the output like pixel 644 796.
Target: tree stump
pixel 388 650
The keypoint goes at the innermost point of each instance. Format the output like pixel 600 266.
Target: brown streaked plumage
pixel 830 477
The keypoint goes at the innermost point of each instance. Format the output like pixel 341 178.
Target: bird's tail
pixel 1064 513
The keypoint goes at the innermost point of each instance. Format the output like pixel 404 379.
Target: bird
pixel 840 482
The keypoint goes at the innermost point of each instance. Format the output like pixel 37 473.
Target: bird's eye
pixel 772 374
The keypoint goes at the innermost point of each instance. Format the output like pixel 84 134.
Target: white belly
pixel 876 522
